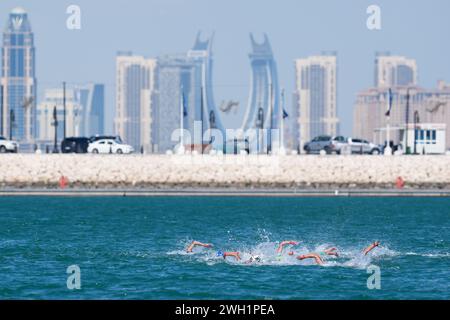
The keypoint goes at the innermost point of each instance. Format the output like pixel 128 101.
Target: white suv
pixel 8 145
pixel 363 146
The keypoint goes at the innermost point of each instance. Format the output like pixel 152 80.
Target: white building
pixel 424 138
pixel 135 88
pixel 316 98
pixel 54 98
pixel 429 106
pixel 391 71
pixel 84 112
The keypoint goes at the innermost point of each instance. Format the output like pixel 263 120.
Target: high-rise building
pixel 177 75
pixel 91 97
pixel 84 112
pixel 207 112
pixel 263 103
pixel 430 106
pixel 189 75
pixel 391 71
pixel 135 89
pixel 18 79
pixel 316 94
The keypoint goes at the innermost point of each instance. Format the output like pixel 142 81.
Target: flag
pixel 285 114
pixel 388 112
pixel 185 113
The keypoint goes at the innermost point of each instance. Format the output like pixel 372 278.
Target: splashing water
pixel 267 252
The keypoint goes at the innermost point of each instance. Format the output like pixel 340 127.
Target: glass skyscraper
pixel 92 98
pixel 176 73
pixel 18 79
pixel 262 109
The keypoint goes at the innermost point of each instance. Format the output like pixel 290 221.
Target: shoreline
pixel 224 175
pixel 295 193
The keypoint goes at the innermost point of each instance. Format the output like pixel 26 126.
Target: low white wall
pixel 163 171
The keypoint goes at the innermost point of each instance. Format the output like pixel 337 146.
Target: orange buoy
pixel 63 182
pixel 400 183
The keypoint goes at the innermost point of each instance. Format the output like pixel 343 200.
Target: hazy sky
pixel 296 29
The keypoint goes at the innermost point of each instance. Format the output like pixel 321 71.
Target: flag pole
pixel 181 149
pixel 388 150
pixel 281 115
pixel 269 142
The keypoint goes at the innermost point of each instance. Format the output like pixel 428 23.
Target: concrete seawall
pixel 19 171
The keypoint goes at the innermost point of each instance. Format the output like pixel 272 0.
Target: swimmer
pixel 314 256
pixel 197 244
pixel 286 243
pixel 229 254
pixel 371 247
pixel 321 256
pixel 329 252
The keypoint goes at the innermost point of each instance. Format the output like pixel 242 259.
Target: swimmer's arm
pixel 371 247
pixel 285 243
pixel 319 260
pixel 196 243
pixel 232 254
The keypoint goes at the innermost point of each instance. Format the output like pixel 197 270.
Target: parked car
pixel 75 145
pixel 99 137
pixel 363 146
pixel 327 143
pixel 8 145
pixel 109 146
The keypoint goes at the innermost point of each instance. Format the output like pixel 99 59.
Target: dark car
pixel 98 137
pixel 75 145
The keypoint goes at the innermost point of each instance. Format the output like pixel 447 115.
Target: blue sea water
pixel 133 248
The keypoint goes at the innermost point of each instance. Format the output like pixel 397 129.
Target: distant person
pixel 197 244
pixel 371 247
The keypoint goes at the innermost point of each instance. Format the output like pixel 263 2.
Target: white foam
pixel 349 257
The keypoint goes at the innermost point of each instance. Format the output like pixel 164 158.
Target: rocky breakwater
pixel 196 171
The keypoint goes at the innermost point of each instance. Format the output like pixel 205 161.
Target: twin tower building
pixel 149 93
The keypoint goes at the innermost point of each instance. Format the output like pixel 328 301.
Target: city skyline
pixel 356 45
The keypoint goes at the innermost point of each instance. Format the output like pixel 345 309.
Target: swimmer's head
pixel 291 253
pixel 219 254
